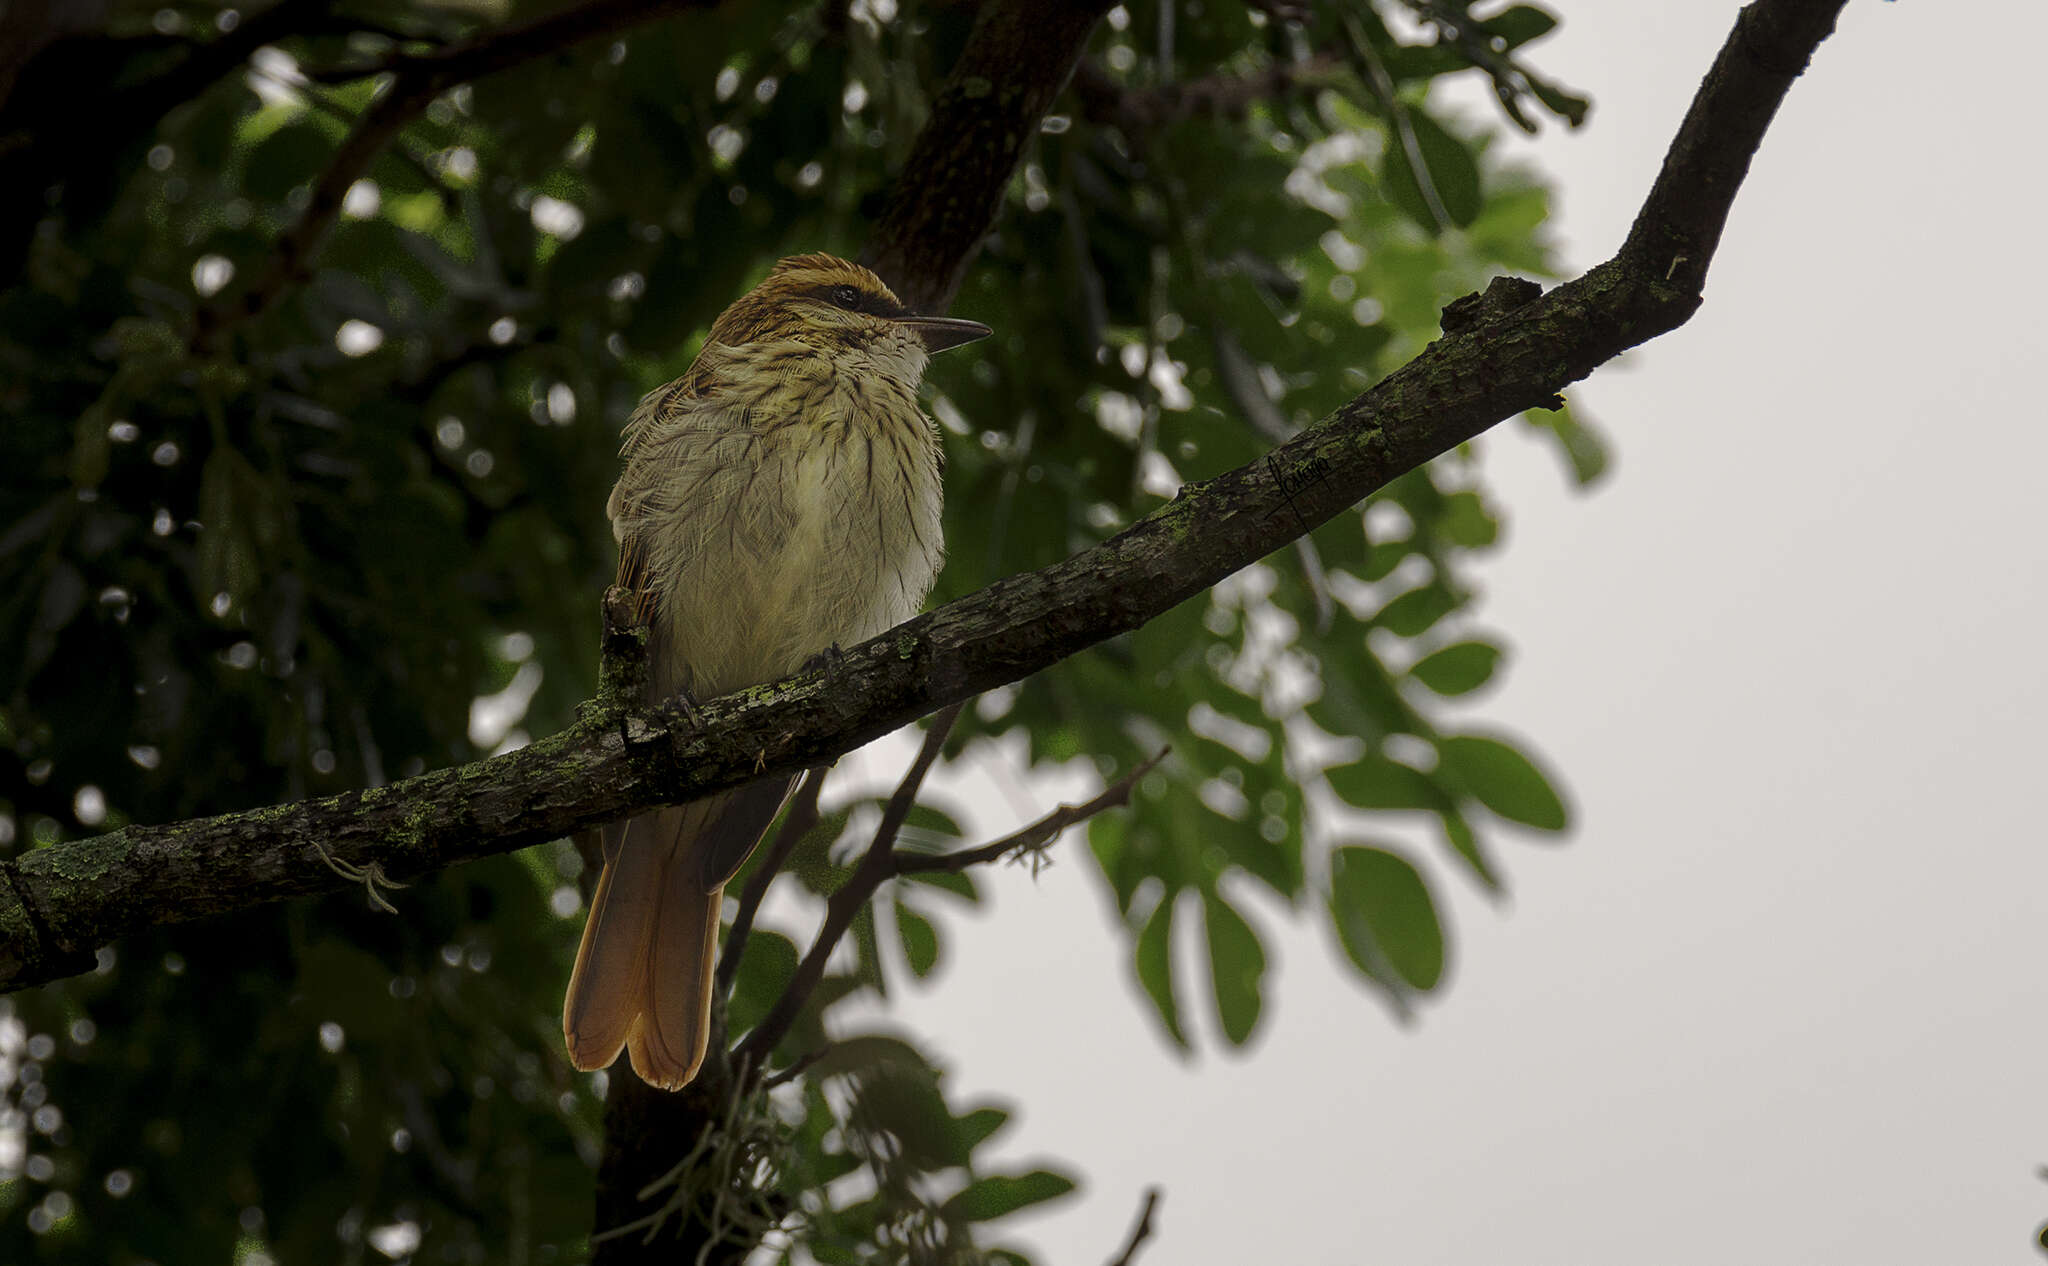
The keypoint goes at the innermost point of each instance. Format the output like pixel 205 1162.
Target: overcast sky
pixel 1779 997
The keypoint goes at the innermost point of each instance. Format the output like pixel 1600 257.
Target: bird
pixel 778 501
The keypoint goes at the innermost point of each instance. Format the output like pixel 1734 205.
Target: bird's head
pixel 843 311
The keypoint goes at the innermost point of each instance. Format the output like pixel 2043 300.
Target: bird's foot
pixel 828 662
pixel 686 703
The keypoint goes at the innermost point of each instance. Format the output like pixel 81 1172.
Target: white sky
pixel 1779 997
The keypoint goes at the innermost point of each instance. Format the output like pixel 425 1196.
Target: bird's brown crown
pixel 799 293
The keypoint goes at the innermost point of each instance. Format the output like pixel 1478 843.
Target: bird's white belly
pixel 825 537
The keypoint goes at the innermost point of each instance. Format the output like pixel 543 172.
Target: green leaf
pixel 920 940
pixel 1236 964
pixel 1384 557
pixel 959 885
pixel 1504 780
pixel 1001 1194
pixel 978 1126
pixel 1458 668
pixel 1385 918
pixel 1375 782
pixel 1581 446
pixel 928 817
pixel 1451 192
pixel 867 949
pixel 1412 613
pixel 286 159
pixel 766 968
pixel 1569 106
pixel 1458 833
pixel 1466 521
pixel 1154 960
pixel 1519 25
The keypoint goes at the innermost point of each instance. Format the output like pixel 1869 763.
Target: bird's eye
pixel 846 297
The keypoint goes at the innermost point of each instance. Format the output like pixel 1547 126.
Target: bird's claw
pixel 828 662
pixel 687 704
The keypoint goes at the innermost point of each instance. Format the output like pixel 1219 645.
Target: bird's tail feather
pixel 644 973
pixel 647 952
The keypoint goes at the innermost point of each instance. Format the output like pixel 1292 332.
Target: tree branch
pixel 1017 59
pixel 802 816
pixel 416 79
pixel 883 861
pixel 497 50
pixel 876 867
pixel 58 904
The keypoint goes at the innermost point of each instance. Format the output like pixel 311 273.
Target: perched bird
pixel 779 499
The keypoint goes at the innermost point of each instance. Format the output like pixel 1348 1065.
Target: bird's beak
pixel 940 333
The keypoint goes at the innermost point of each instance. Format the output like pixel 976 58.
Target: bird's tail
pixel 644 973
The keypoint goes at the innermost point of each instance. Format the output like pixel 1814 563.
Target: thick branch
pixel 1016 61
pixel 58 904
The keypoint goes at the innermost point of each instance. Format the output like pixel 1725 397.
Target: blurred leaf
pixel 1001 1194
pixel 1584 452
pixel 766 968
pixel 1458 668
pixel 1518 25
pixel 1236 965
pixel 1155 967
pixel 920 940
pixel 978 1126
pixel 955 882
pixel 1385 918
pixel 289 157
pixel 1412 613
pixel 1375 782
pixel 1464 841
pixel 1504 780
pixel 1448 182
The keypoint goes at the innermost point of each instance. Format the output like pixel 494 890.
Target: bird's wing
pixel 642 429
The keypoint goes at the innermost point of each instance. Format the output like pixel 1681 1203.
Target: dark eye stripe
pixel 854 299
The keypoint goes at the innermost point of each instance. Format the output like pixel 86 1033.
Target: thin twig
pixel 876 865
pixel 798 1069
pixel 898 808
pixel 1033 837
pixel 1141 1232
pixel 496 50
pixel 295 246
pixel 802 816
pixel 883 861
pixel 416 79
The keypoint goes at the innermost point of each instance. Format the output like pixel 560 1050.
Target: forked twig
pixel 1035 836
pixel 875 866
pixel 883 861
